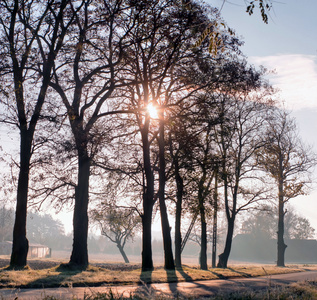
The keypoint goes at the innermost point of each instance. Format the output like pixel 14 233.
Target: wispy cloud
pixel 295 77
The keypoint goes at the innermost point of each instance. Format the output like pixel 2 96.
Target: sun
pixel 152 111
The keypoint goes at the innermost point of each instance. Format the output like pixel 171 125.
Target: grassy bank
pixel 95 275
pixel 306 290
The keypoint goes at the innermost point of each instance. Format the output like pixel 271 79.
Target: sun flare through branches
pixel 152 111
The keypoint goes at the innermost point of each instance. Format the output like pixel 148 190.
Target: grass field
pixel 46 273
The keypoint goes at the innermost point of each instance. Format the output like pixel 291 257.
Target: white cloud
pixel 296 78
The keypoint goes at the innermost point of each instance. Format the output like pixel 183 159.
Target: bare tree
pixel 118 224
pixel 181 141
pixel 289 162
pixel 155 63
pixel 86 77
pixel 238 138
pixel 30 43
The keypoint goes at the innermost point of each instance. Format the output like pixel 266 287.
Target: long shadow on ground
pixel 174 288
pixel 55 280
pixel 243 274
pixel 184 274
pixel 220 276
pixel 146 277
pixel 172 278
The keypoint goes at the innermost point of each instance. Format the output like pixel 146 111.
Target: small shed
pixel 39 251
pixel 35 250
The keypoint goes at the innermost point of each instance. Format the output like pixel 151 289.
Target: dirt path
pixel 196 289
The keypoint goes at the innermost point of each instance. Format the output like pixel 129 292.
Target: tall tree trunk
pixel 224 257
pixel 203 248
pixel 166 230
pixel 148 202
pixel 167 241
pixel 147 260
pixel 203 245
pixel 230 213
pixel 281 247
pixel 126 260
pixel 214 227
pixel 178 215
pixel 79 254
pixel 20 245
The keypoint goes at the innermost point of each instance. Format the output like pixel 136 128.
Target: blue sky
pixel 287 45
pixel 291 29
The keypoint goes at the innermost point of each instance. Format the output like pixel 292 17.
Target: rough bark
pixel 20 245
pixel 281 247
pixel 147 261
pixel 79 254
pixel 148 196
pixel 166 230
pixel 203 248
pixel 203 245
pixel 178 215
pixel 167 241
pixel 214 230
pixel 20 242
pixel 224 256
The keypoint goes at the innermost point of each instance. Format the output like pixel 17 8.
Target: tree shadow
pixel 146 277
pixel 245 275
pixel 184 274
pixel 171 276
pixel 171 279
pixel 145 290
pixel 180 293
pixel 56 280
pixel 219 275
